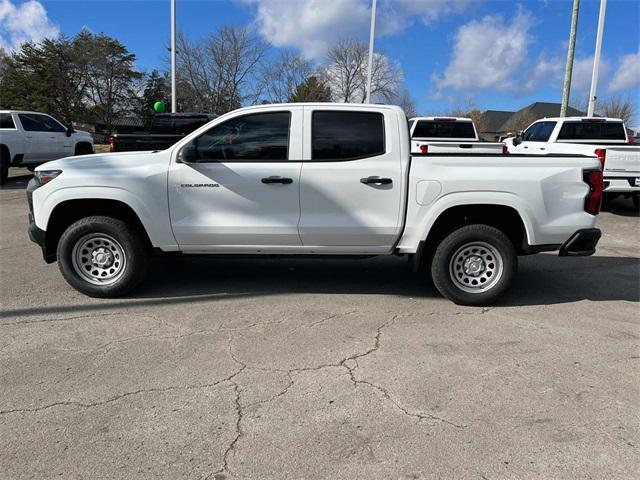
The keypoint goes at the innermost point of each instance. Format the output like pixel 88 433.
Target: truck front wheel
pixel 102 256
pixel 474 265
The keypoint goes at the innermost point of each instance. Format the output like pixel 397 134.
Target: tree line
pixel 92 78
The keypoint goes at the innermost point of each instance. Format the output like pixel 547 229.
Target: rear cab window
pixel 6 121
pixel 444 129
pixel 592 130
pixel 346 135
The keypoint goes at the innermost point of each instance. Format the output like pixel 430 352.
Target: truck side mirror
pixel 517 140
pixel 189 153
pixel 69 131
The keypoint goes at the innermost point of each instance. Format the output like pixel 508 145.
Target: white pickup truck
pixel 28 139
pixel 604 137
pixel 312 179
pixel 449 135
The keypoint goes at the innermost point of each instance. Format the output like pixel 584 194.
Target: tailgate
pixel 622 160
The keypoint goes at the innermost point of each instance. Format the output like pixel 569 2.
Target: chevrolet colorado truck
pixel 28 139
pixel 313 179
pixel 449 135
pixel 605 137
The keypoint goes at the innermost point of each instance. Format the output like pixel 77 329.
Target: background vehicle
pixel 448 135
pixel 28 139
pixel 313 179
pixel 605 137
pixel 164 130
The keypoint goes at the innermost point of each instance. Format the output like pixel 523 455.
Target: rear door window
pixel 443 129
pixel 344 136
pixel 592 131
pixel 6 121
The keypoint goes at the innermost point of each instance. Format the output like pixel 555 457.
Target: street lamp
pixel 371 35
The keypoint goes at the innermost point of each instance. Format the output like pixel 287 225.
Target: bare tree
pixel 618 106
pixel 217 73
pixel 403 99
pixel 470 110
pixel 520 121
pixel 346 73
pixel 280 79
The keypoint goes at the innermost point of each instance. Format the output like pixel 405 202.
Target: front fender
pixel 152 212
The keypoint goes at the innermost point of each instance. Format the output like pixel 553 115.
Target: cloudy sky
pixel 498 54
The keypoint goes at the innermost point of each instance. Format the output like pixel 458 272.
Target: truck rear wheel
pixel 474 265
pixel 102 256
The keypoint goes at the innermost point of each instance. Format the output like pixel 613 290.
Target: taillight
pixel 505 150
pixel 424 148
pixel 593 200
pixel 112 144
pixel 601 153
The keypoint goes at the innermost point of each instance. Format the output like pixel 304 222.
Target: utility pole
pixel 566 89
pixel 596 59
pixel 371 35
pixel 173 56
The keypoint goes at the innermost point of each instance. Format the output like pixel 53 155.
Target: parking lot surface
pixel 306 368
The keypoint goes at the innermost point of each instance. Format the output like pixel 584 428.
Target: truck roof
pixel 581 119
pixel 24 111
pixel 443 118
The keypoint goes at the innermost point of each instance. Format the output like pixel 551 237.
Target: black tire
pixel 636 201
pixel 474 265
pixel 84 149
pixel 5 161
pixel 98 238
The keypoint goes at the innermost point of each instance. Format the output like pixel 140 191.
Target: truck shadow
pixel 17 182
pixel 620 206
pixel 542 279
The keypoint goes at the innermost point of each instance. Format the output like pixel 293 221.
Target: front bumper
pixel 581 244
pixel 37 235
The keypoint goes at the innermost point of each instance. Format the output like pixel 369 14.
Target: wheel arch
pixel 69 211
pixel 505 218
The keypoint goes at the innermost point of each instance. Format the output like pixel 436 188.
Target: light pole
pixel 371 35
pixel 572 48
pixel 173 56
pixel 596 59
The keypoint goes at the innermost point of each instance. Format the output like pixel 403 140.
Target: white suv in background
pixel 28 139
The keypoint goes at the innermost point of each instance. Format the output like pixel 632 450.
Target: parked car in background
pixel 605 137
pixel 448 135
pixel 28 139
pixel 164 130
pixel 313 179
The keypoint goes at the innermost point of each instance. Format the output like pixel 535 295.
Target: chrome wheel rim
pixel 476 267
pixel 99 259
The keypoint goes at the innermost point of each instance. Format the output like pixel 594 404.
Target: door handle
pixel 376 181
pixel 274 179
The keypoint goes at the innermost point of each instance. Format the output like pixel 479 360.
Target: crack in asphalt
pixel 120 396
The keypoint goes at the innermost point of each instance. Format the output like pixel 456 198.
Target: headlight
pixel 45 176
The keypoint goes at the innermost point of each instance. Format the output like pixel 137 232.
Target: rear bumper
pixel 619 184
pixel 581 244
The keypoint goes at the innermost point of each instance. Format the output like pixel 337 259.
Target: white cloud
pixel 488 53
pixel 24 22
pixel 582 71
pixel 628 73
pixel 311 26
